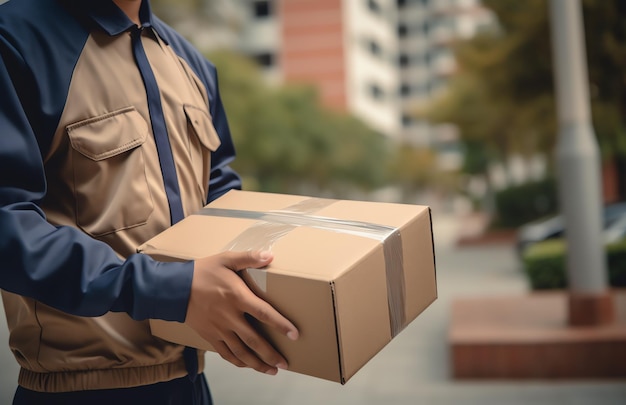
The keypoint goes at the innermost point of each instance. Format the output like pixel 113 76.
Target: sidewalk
pixel 415 367
pixel 475 231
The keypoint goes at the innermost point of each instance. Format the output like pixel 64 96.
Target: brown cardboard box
pixel 348 289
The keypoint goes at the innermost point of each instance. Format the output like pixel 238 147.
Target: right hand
pixel 217 306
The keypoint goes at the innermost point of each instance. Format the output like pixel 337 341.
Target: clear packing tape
pixel 273 225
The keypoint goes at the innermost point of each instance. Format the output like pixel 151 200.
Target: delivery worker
pixel 111 130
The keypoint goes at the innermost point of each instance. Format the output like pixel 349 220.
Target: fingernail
pixel 282 366
pixel 292 335
pixel 272 371
pixel 265 255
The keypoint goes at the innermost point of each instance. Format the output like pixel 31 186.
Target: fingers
pixel 243 260
pixel 223 350
pixel 264 312
pixel 254 306
pixel 218 304
pixel 250 350
pixel 253 350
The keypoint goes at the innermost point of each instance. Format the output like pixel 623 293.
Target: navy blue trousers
pixel 181 391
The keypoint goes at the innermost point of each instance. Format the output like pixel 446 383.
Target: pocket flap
pixel 108 135
pixel 203 127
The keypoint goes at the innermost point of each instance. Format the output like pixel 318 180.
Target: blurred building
pixel 378 59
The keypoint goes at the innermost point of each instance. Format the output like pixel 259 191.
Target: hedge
pixel 524 203
pixel 544 264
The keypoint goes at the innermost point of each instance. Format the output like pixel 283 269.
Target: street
pixel 414 367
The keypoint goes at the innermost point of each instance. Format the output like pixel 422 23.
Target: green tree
pixel 503 96
pixel 413 168
pixel 605 33
pixel 286 140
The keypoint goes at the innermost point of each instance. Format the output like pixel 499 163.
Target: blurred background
pixel 446 103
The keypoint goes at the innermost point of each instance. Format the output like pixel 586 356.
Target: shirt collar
pixel 113 20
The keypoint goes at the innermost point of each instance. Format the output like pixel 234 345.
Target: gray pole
pixel 577 153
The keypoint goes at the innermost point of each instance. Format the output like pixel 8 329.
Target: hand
pixel 218 303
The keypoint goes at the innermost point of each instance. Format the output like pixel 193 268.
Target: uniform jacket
pixel 84 181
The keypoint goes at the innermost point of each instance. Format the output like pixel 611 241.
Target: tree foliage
pixel 503 98
pixel 605 31
pixel 286 140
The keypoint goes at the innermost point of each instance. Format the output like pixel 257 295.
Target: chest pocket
pixel 110 184
pixel 203 140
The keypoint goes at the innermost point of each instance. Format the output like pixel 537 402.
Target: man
pixel 111 130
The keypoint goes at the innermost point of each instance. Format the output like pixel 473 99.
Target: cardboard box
pixel 349 274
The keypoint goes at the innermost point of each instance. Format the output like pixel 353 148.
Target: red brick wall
pixel 312 50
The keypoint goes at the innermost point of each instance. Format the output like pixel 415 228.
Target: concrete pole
pixel 578 166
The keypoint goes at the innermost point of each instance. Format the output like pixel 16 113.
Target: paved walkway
pixel 414 367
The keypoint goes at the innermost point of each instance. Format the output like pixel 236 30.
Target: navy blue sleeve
pixel 61 266
pixel 223 177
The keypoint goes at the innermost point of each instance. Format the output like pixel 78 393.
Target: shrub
pixel 518 205
pixel 544 264
pixel 616 256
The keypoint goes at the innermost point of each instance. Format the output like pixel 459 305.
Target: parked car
pixel 616 231
pixel 613 218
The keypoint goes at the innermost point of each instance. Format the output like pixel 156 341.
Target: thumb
pixel 242 260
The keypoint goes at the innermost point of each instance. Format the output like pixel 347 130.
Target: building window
pixel 374 48
pixel 407 120
pixel 376 92
pixel 404 60
pixel 405 90
pixel 262 9
pixel 403 30
pixel 373 6
pixel 265 59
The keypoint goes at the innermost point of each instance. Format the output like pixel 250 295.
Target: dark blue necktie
pixel 166 157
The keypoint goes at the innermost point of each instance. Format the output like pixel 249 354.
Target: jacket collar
pixel 112 19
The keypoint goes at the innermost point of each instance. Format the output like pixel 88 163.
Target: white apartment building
pixel 378 59
pixel 426 30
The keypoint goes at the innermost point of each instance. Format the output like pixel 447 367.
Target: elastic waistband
pixel 81 380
